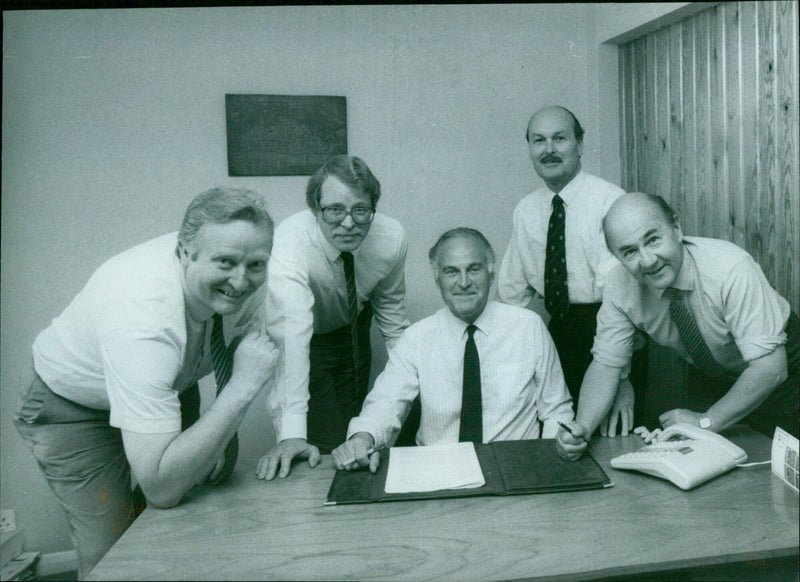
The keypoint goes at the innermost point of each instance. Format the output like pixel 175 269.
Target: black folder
pixel 509 468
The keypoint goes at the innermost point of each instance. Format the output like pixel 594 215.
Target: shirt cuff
pixel 358 425
pixel 755 347
pixel 611 354
pixel 293 426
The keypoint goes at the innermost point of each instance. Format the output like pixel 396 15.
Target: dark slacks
pixel 782 406
pixel 84 462
pixel 334 397
pixel 573 336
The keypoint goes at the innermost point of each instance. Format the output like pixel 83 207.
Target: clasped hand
pixel 570 446
pixel 357 452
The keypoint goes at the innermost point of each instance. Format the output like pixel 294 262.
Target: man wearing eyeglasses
pixel 332 267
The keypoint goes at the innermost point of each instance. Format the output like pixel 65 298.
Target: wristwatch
pixel 705 423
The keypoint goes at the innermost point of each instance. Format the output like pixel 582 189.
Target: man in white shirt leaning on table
pixel 484 371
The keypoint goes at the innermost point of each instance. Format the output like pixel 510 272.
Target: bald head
pixel 643 232
pixel 560 111
pixel 555 143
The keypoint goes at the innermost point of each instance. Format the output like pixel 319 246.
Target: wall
pixel 114 120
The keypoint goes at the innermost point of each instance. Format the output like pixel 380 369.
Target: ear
pixel 678 229
pixel 580 148
pixel 183 253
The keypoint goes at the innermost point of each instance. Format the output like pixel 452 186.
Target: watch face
pixel 705 422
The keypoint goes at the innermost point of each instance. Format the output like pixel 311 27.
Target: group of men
pixel 114 400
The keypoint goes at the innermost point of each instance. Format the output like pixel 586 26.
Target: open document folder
pixel 507 468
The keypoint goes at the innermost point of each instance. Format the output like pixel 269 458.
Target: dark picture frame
pixel 283 135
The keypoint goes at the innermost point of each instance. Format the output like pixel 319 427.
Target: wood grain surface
pixel 253 530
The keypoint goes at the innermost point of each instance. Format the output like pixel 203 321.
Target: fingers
pixel 612 423
pixel 217 470
pixel 374 461
pixel 604 426
pixel 267 467
pixel 313 456
pixel 285 464
pixel 627 421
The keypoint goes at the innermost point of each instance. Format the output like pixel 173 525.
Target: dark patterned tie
pixel 222 362
pixel 690 335
pixel 352 309
pixel 556 295
pixel 471 428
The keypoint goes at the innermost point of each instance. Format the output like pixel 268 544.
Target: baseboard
pixel 57 563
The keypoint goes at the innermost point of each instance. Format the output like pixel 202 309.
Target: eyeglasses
pixel 337 214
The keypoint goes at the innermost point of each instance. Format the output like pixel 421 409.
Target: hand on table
pixel 621 410
pixel 357 452
pixel 282 454
pixel 676 415
pixel 571 446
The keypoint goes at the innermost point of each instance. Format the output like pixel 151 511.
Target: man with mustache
pixel 114 389
pixel 709 301
pixel 557 250
pixel 334 264
pixel 483 371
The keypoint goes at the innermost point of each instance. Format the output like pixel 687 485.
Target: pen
pixel 569 430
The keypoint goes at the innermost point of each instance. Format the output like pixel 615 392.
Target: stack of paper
pixel 432 468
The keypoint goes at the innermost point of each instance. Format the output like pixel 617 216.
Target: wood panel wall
pixel 709 120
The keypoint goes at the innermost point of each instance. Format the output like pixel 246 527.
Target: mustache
pixel 550 158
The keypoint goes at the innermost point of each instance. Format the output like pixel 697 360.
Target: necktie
pixel 556 295
pixel 222 362
pixel 471 428
pixel 690 335
pixel 352 308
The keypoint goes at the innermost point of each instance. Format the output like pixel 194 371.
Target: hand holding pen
pixel 358 451
pixel 571 447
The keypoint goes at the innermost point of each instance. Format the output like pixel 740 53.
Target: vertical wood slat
pixel 689 169
pixel 710 122
pixel 701 195
pixel 733 112
pixel 663 177
pixel 788 203
pixel 766 135
pixel 750 161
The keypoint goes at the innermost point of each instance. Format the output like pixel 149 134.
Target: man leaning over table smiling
pixel 115 386
pixel 484 371
pixel 333 266
pixel 709 301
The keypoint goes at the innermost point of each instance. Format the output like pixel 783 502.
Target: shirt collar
pixel 686 276
pixel 459 326
pixel 571 190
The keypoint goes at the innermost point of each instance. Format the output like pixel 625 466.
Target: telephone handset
pixel 686 463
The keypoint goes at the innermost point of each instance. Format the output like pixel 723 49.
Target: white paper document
pixel 432 468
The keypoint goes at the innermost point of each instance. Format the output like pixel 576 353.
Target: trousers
pixel 334 397
pixel 83 460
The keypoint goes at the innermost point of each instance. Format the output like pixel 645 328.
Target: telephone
pixel 686 463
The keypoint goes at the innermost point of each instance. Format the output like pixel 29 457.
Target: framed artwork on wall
pixel 283 135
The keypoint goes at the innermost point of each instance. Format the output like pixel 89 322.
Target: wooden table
pixel 250 529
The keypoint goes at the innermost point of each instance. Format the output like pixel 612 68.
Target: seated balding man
pixel 484 371
pixel 709 301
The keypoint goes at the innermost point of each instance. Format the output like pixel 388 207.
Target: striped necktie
pixel 222 362
pixel 690 335
pixel 352 309
pixel 556 294
pixel 471 428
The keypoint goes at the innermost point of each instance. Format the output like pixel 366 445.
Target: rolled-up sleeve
pixel 755 313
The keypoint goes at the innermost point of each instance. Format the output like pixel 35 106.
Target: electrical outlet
pixel 8 520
